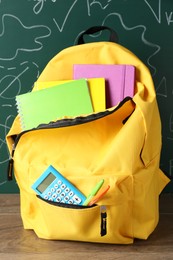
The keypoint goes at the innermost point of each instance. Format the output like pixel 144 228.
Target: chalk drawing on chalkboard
pixel 12 82
pixel 157 4
pixel 161 90
pixel 2 183
pixel 102 3
pixel 38 6
pixel 4 128
pixel 29 41
pixel 60 28
pixel 5 124
pixel 143 28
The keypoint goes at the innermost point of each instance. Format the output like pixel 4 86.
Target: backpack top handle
pixel 92 30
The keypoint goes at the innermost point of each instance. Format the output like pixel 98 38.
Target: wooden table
pixel 17 243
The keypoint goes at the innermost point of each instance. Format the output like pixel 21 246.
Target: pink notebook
pixel 119 79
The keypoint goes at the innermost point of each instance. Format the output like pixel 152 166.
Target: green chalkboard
pixel 33 31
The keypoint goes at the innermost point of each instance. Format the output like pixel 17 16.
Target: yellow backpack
pixel 121 145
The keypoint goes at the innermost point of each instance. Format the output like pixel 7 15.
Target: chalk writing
pixel 169 17
pixel 143 38
pixel 32 43
pixel 4 128
pixel 10 81
pixel 39 5
pixel 157 14
pixel 161 90
pixel 102 4
pixel 60 28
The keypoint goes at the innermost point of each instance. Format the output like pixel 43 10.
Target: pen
pixel 93 192
pixel 98 196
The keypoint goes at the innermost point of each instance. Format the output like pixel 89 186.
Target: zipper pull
pixel 10 169
pixel 103 230
pixel 10 165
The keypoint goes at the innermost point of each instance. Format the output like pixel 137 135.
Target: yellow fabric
pixel 96 87
pixel 123 147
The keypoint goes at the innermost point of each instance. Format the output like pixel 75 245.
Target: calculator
pixel 53 186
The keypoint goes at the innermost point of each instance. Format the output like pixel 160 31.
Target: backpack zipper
pixel 61 123
pixel 11 161
pixel 54 124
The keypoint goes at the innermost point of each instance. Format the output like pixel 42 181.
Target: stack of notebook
pixel 119 79
pixel 42 106
pixel 94 88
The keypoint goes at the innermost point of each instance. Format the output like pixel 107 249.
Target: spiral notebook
pixel 119 79
pixel 42 106
pixel 96 88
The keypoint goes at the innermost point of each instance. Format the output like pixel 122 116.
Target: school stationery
pixel 119 79
pixel 96 88
pixel 93 192
pixel 53 186
pixel 68 99
pixel 99 195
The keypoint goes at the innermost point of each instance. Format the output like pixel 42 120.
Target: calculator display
pixel 47 181
pixel 53 186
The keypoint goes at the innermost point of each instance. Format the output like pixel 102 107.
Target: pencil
pixel 100 194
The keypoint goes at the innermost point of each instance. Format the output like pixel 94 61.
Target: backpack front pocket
pixel 68 223
pixel 105 223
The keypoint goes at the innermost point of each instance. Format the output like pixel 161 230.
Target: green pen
pixel 93 192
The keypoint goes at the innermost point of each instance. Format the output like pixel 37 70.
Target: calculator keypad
pixel 59 192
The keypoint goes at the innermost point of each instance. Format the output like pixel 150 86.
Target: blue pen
pixel 93 192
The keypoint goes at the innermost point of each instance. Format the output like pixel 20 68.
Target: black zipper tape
pixel 82 119
pixel 62 123
pixel 65 205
